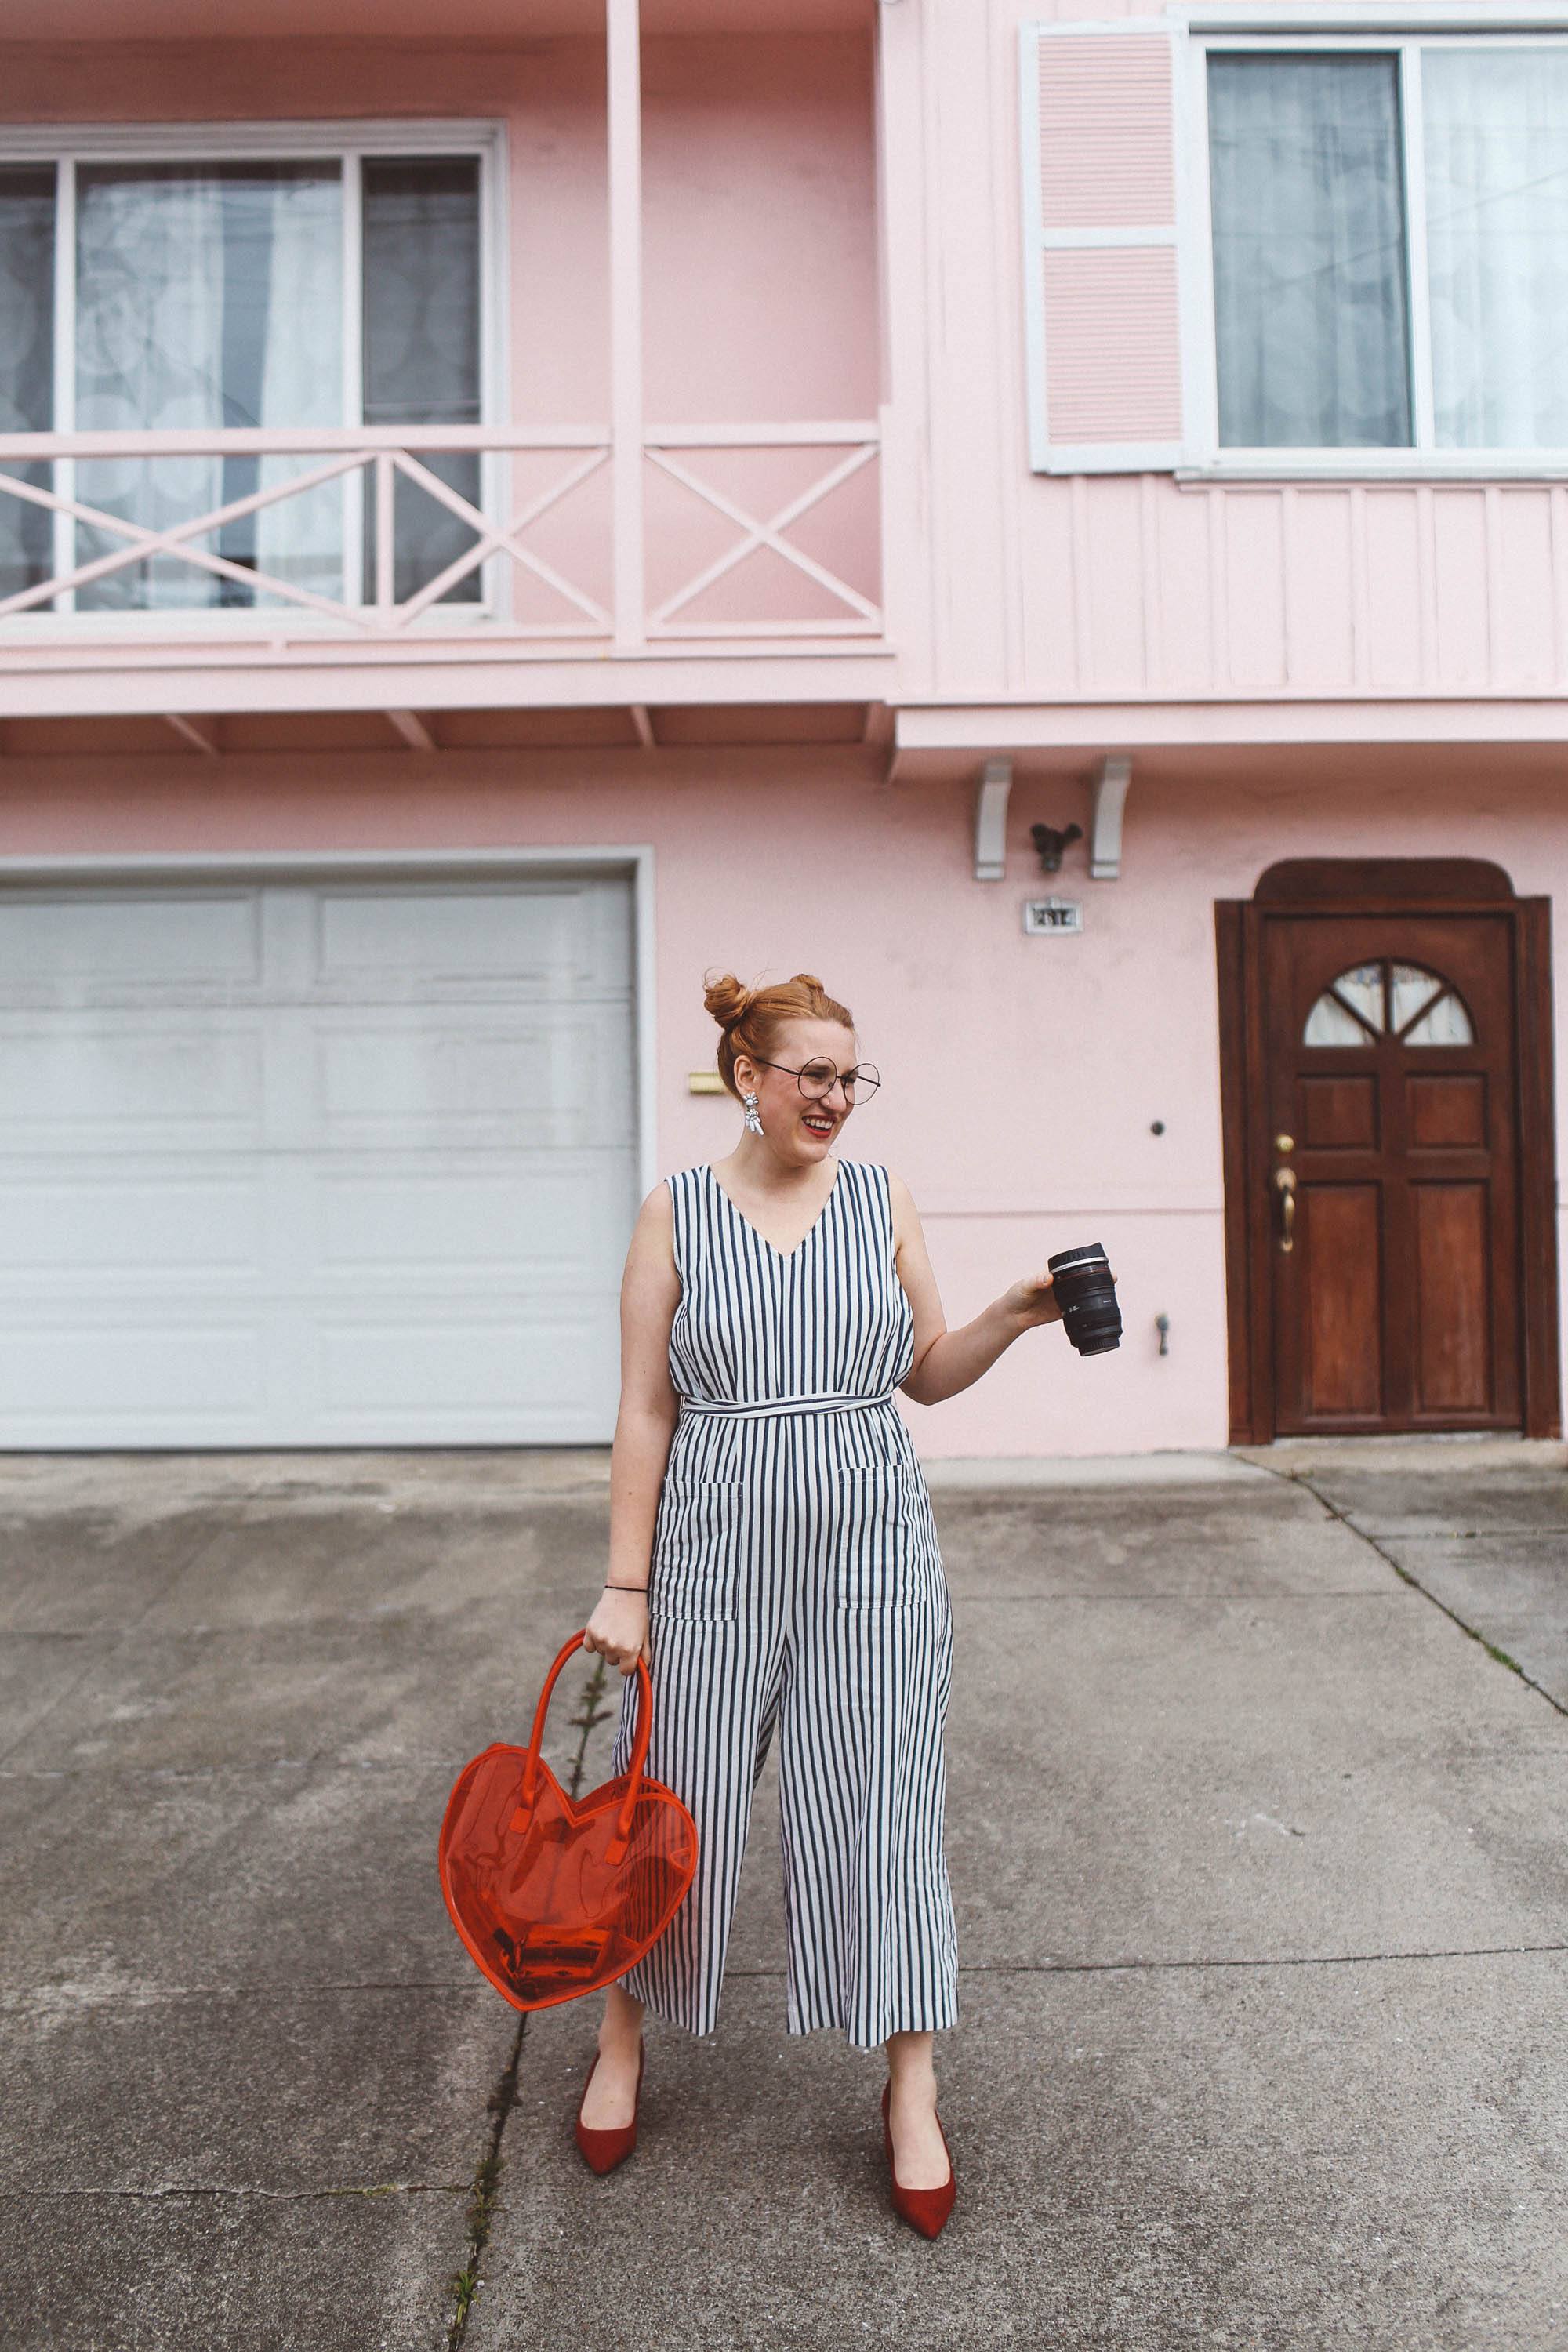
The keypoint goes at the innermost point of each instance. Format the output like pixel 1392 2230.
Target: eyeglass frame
pixel 847 1080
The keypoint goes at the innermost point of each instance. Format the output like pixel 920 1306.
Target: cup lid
pixel 1092 1253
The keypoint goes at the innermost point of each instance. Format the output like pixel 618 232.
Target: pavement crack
pixel 467 2282
pixel 97 1658
pixel 1135 1966
pixel 58 1995
pixel 1248 1961
pixel 208 1541
pixel 1238 1593
pixel 1304 1478
pixel 38 1722
pixel 130 1774
pixel 277 2196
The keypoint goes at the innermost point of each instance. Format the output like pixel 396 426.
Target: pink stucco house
pixel 504 506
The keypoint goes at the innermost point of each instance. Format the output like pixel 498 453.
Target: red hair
pixel 752 1018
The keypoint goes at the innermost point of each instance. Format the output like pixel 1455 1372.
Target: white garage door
pixel 314 1163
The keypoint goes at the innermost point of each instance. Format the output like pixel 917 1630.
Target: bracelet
pixel 625 1588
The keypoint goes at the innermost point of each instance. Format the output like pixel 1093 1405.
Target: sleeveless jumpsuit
pixel 795 1586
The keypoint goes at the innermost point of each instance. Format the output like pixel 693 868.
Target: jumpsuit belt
pixel 766 1407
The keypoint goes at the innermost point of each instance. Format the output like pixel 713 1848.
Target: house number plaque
pixel 1049 919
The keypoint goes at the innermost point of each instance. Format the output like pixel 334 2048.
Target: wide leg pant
pixel 796 1589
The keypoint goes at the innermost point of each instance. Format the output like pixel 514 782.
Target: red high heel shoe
pixel 603 2150
pixel 925 2209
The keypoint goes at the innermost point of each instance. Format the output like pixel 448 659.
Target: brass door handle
pixel 1285 1185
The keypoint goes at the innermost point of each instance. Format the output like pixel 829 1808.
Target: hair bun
pixel 752 1018
pixel 726 999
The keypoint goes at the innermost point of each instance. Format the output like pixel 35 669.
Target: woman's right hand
pixel 618 1628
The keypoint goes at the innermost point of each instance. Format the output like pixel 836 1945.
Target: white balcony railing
pixel 767 532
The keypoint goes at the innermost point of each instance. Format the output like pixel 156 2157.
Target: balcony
pixel 255 477
pixel 104 21
pixel 749 540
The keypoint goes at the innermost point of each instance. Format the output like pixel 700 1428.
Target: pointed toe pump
pixel 925 2209
pixel 602 2150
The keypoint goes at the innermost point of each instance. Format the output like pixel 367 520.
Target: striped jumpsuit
pixel 795 1586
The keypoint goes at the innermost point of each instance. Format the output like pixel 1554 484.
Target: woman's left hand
pixel 1033 1301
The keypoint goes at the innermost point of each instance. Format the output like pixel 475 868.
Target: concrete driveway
pixel 1258 1854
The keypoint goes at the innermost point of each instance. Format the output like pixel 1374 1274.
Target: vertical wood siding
pixel 1135 585
pixel 1112 585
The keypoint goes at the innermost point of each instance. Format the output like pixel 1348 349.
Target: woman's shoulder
pixel 874 1173
pixel 894 1200
pixel 682 1180
pixel 656 1210
pixel 887 1188
pixel 679 1195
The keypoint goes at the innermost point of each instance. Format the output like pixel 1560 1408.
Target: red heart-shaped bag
pixel 554 1898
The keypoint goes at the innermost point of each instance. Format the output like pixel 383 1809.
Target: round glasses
pixel 817 1079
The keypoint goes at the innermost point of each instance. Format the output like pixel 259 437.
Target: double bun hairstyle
pixel 751 1018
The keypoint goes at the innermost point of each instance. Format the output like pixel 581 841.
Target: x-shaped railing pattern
pixel 769 534
pixel 490 539
pixel 385 613
pixel 380 458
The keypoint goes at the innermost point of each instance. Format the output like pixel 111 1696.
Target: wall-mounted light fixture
pixel 1051 844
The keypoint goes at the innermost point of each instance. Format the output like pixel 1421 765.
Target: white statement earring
pixel 749 1105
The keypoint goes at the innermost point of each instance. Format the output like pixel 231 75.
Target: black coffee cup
pixel 1084 1289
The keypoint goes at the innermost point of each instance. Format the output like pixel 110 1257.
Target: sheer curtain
pixel 26 362
pixel 1496 124
pixel 208 296
pixel 302 374
pixel 149 320
pixel 1309 240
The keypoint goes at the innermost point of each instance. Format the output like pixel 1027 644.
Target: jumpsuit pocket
pixel 697 1548
pixel 878 1541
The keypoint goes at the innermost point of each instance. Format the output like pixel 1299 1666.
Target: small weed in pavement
pixel 465 2283
pixel 481 2202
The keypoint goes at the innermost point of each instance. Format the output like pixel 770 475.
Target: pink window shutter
pixel 1101 192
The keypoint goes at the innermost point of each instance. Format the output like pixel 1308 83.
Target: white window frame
pixel 1403 33
pixel 347 145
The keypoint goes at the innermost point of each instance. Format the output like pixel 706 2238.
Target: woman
pixel 772 1556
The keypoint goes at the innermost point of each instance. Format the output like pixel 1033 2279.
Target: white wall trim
pixel 227 143
pixel 1261 467
pixel 1334 17
pixel 1378 39
pixel 645 970
pixel 1029 223
pixel 635 860
pixel 1089 240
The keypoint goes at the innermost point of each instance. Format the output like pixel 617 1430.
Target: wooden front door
pixel 1387 1160
pixel 1392 1119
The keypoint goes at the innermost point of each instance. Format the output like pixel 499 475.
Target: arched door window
pixel 1389 1000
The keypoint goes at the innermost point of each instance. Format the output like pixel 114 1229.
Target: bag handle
pixel 615 1852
